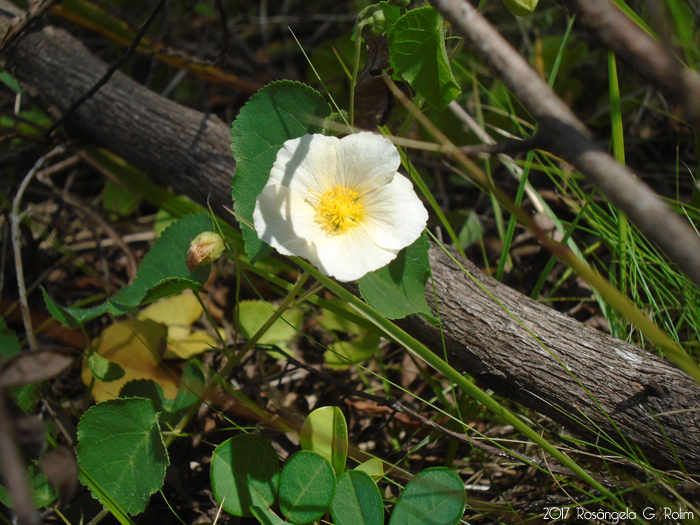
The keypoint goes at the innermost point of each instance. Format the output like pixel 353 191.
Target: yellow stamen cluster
pixel 338 210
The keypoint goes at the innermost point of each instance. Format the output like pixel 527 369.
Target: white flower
pixel 340 204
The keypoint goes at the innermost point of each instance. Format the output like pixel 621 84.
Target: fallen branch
pixel 588 381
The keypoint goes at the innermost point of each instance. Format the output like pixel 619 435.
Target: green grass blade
pixel 618 143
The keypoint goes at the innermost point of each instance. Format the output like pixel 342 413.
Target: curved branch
pixel 564 134
pixel 649 57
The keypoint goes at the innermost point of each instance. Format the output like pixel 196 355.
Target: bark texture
pixel 586 380
pixel 582 378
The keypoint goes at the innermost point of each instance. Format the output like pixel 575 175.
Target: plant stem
pixel 236 358
pixel 224 348
pixel 17 245
pixel 355 69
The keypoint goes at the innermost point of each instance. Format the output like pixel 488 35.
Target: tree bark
pixel 588 381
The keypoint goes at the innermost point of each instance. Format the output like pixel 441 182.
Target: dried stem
pixel 17 245
pixel 648 56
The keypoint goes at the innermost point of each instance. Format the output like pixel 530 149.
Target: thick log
pixel 582 378
pixel 588 381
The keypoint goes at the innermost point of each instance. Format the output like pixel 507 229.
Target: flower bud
pixel 373 21
pixel 206 247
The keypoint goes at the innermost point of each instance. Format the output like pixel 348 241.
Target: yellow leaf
pixel 137 347
pixel 179 310
pixel 178 313
pixel 185 347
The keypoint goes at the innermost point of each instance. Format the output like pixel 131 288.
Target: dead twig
pixel 224 33
pixel 132 267
pixel 649 57
pixel 23 21
pixel 17 245
pixel 497 148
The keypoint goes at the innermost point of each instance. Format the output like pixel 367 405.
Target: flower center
pixel 339 210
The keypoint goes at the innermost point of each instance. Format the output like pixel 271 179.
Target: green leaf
pixel 9 344
pixel 266 516
pixel 169 287
pixel 163 219
pixel 398 289
pixel 343 353
pixel 192 384
pixel 278 112
pixel 163 272
pixel 105 498
pixel 374 467
pixel 245 472
pixel 26 396
pixel 521 7
pixel 325 432
pixel 357 500
pixel 43 493
pixel 10 81
pixel 307 487
pixel 204 9
pixel 417 47
pixel 122 450
pixel 146 389
pixel 435 495
pixel 340 323
pixel 165 261
pixel 72 317
pixel 104 369
pixel 119 200
pixel 254 314
pixel 472 231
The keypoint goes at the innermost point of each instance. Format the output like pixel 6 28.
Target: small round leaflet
pixel 245 472
pixel 307 487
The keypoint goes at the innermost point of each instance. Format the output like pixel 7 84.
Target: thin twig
pixel 108 74
pixel 97 519
pixel 3 253
pixel 36 11
pixel 224 33
pixel 497 148
pixel 132 267
pixel 17 245
pixel 648 56
pixel 484 137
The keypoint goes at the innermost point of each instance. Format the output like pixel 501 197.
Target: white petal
pixel 285 221
pixel 350 255
pixel 366 161
pixel 394 216
pixel 306 163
